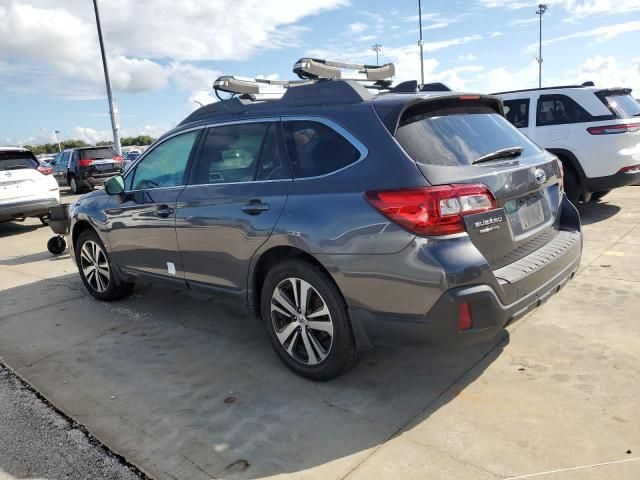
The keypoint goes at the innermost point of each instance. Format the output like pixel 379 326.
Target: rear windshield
pixel 17 160
pixel 439 138
pixel 625 106
pixel 97 153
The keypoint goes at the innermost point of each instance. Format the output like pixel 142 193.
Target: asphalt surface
pixel 36 442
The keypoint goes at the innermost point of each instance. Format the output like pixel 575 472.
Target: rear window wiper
pixel 502 153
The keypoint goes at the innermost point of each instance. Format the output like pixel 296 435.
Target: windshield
pixel 625 106
pixel 98 153
pixel 461 139
pixel 17 161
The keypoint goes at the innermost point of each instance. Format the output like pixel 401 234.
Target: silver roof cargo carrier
pixel 267 89
pixel 314 68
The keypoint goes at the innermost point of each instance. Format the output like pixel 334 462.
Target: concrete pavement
pixel 185 387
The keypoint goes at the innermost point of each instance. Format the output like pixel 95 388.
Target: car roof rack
pixel 252 87
pixel 412 86
pixel 308 68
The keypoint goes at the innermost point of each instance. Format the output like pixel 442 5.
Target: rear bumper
pixel 32 208
pixel 439 327
pixel 617 180
pixel 97 179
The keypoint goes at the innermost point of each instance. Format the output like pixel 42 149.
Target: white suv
pixel 595 132
pixel 27 189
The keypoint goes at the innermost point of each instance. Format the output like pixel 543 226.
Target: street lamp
pixel 376 48
pixel 421 43
pixel 112 105
pixel 58 140
pixel 541 9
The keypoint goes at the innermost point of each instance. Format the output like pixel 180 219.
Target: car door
pixel 141 221
pixel 60 167
pixel 238 189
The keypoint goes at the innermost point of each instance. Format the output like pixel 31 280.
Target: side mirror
pixel 114 185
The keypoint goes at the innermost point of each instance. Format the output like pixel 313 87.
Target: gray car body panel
pixel 382 270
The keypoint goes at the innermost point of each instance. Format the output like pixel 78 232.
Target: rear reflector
pixel 85 162
pixel 464 317
pixel 435 210
pixel 45 170
pixel 611 129
pixel 630 169
pixel 118 159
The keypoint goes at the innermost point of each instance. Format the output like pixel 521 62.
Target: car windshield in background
pixel 461 139
pixel 17 161
pixel 97 153
pixel 625 106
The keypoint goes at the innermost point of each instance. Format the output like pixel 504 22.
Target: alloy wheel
pixel 301 321
pixel 95 266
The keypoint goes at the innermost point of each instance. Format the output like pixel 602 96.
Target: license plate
pixel 531 215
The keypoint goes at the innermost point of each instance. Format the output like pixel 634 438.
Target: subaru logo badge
pixel 540 176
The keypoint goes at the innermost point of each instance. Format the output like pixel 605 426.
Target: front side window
pixel 316 149
pixel 558 110
pixel 240 153
pixel 517 112
pixel 164 166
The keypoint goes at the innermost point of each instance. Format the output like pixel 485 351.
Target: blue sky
pixel 164 54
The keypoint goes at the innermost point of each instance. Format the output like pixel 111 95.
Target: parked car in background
pixel 130 157
pixel 84 168
pixel 45 160
pixel 594 131
pixel 342 218
pixel 27 189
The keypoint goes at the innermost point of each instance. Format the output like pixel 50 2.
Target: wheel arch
pixel 79 227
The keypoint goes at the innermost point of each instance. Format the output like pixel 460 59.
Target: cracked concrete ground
pixel 187 388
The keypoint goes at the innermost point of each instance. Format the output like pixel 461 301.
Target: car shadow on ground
pixel 8 229
pixel 598 211
pixel 197 380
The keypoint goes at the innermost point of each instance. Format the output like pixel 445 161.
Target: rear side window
pixel 624 106
pixel 560 109
pixel 517 112
pixel 240 153
pixel 97 153
pixel 316 149
pixel 17 160
pixel 460 138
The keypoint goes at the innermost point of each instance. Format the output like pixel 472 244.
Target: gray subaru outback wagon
pixel 344 219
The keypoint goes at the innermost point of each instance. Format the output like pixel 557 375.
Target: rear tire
pixel 595 196
pixel 73 184
pixel 97 270
pixel 313 338
pixel 571 185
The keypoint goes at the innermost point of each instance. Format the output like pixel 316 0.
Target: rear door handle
pixel 164 211
pixel 255 207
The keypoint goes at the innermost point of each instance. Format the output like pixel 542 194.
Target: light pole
pixel 421 43
pixel 541 9
pixel 112 105
pixel 376 48
pixel 58 140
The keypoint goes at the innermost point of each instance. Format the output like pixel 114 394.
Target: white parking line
pixel 531 475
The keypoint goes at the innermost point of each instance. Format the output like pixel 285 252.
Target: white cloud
pixel 606 72
pixel 523 21
pixel 469 57
pixel 573 8
pixel 600 34
pixel 357 27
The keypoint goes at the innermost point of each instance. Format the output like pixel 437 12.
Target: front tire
pixel 307 321
pixel 97 270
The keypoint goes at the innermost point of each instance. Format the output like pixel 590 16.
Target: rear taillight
pixel 435 210
pixel 85 162
pixel 118 159
pixel 630 169
pixel 611 129
pixel 45 170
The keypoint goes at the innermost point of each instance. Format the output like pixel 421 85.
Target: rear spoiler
pixel 391 113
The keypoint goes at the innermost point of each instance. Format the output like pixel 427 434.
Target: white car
pixel 27 189
pixel 595 132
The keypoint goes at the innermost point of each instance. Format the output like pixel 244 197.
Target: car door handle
pixel 255 207
pixel 164 211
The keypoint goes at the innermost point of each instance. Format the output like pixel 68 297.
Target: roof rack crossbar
pixel 313 68
pixel 253 86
